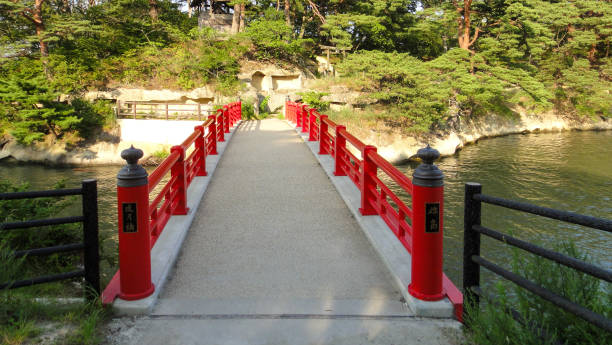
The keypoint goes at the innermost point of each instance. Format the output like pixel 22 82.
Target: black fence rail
pixel 89 246
pixel 472 261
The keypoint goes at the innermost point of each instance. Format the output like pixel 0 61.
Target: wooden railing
pixel 163 111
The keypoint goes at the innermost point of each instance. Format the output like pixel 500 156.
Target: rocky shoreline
pixel 394 147
pixel 399 148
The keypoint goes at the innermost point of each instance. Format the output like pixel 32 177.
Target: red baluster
pixel 368 184
pixel 200 146
pixel 339 152
pixel 180 185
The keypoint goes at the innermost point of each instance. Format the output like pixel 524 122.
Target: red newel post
pixel 180 186
pixel 212 138
pixel 239 116
pixel 200 145
pixel 220 135
pixel 304 115
pixel 134 237
pixel 368 185
pixel 339 152
pixel 427 228
pixel 323 136
pixel 226 119
pixel 312 119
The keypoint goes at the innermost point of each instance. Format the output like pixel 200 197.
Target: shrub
pixel 37 208
pixel 314 99
pixel 493 323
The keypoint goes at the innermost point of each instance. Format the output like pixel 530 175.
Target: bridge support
pixel 427 228
pixel 134 237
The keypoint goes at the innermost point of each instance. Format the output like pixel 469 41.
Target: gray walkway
pixel 275 257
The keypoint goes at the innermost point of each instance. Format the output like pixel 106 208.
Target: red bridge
pixel 270 238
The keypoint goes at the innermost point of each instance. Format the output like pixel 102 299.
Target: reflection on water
pixel 569 171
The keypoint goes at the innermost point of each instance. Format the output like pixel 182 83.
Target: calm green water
pixel 569 171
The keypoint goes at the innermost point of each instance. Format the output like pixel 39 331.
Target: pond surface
pixel 568 171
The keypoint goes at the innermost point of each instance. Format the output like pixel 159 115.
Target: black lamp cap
pixel 133 174
pixel 427 174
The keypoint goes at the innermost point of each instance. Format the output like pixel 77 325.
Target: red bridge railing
pixel 144 213
pixel 419 233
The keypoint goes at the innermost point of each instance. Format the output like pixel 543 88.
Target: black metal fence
pixel 472 261
pixel 89 246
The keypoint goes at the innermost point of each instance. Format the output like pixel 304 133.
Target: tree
pixel 32 12
pixel 31 105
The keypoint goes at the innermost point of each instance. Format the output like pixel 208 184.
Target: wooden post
pixel 166 111
pixel 199 112
pixel 134 109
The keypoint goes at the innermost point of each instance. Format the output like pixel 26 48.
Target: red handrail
pixel 171 198
pixel 376 196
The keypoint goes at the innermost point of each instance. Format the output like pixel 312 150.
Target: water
pixel 569 171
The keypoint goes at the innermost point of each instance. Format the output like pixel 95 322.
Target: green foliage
pixel 30 103
pixel 37 208
pixel 493 324
pixel 161 154
pixel 314 99
pixel 248 110
pixel 273 40
pixel 424 90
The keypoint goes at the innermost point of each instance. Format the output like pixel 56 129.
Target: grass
pixel 23 320
pixel 161 154
pixel 28 314
pixel 493 324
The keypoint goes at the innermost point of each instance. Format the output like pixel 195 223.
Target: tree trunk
pixel 277 5
pixel 236 19
pixel 242 12
pixel 302 27
pixel 40 27
pixel 153 10
pixel 92 3
pixel 287 18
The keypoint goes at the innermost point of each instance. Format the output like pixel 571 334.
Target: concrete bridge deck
pixel 274 256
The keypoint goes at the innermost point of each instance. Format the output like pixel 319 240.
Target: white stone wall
pixel 155 131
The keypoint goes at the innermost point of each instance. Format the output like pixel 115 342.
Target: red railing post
pixel 134 237
pixel 226 119
pixel 340 147
pixel 323 136
pixel 200 146
pixel 298 115
pixel 239 114
pixel 220 120
pixel 312 119
pixel 427 228
pixel 180 185
pixel 368 184
pixel 212 138
pixel 304 115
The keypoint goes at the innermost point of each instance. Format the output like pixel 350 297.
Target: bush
pixel 493 324
pixel 314 99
